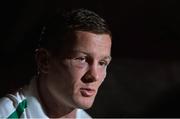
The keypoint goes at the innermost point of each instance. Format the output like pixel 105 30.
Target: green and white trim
pixel 19 110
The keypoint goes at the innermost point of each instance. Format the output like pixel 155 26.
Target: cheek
pixel 103 72
pixel 76 73
pixel 102 75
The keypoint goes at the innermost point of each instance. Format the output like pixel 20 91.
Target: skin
pixel 64 83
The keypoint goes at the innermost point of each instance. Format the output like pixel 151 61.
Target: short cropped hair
pixel 54 32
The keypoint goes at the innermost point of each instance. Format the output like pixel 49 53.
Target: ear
pixel 42 58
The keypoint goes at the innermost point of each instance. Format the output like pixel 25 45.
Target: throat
pixel 61 114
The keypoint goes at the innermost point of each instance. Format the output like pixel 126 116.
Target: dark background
pixel 144 76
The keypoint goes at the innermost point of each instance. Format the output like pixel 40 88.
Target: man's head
pixel 54 34
pixel 72 58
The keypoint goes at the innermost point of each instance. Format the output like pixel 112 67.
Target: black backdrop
pixel 143 78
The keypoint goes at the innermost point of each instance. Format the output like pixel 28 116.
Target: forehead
pixel 91 43
pixel 90 35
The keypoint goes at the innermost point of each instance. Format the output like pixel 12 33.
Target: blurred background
pixel 144 76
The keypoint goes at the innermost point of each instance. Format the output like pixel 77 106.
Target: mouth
pixel 87 92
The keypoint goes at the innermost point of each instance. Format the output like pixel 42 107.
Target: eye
pixel 103 63
pixel 81 59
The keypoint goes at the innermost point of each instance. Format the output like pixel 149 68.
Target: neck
pixel 52 106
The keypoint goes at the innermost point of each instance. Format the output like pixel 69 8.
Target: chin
pixel 85 103
pixel 85 106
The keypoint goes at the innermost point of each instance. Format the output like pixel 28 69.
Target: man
pixel 72 58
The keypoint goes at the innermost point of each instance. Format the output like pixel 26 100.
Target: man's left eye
pixel 103 63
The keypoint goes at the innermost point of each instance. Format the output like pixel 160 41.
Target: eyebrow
pixel 108 57
pixel 79 51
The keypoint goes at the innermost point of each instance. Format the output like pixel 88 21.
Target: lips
pixel 87 92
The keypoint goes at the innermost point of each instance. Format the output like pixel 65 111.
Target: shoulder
pixel 9 103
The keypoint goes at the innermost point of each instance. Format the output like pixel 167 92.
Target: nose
pixel 92 74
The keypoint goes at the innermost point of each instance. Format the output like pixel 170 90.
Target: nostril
pixel 88 78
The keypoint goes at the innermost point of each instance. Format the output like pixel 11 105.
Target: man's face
pixel 74 80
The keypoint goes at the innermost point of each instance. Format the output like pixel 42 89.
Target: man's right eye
pixel 81 59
